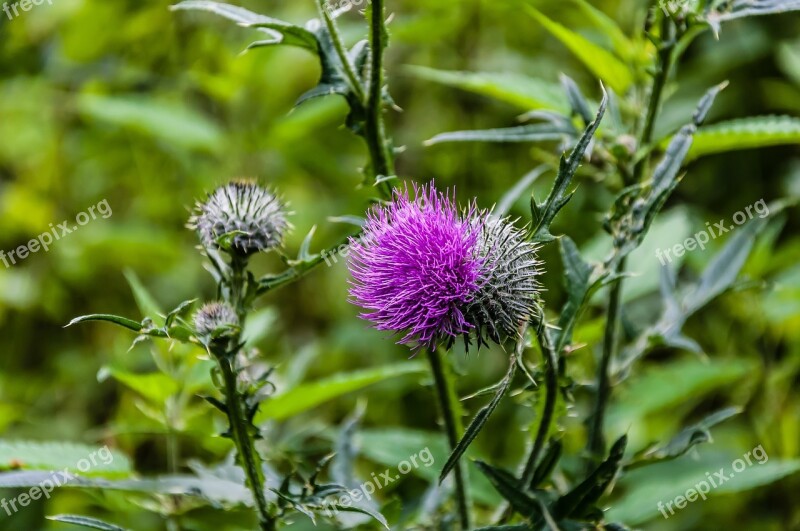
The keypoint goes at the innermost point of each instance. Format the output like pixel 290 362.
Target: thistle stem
pixel 240 431
pixel 551 396
pixel 380 151
pixel 446 396
pixel 250 460
pixel 596 443
pixel 349 69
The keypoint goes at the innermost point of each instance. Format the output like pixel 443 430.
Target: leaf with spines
pixel 509 488
pixel 544 213
pixel 744 133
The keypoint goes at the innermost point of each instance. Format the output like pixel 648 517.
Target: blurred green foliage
pixel 128 102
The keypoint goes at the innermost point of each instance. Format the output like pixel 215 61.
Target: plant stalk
pixel 453 428
pixel 551 396
pixel 380 150
pixel 250 460
pixel 240 430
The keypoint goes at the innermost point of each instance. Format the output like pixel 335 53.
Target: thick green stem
pixel 551 396
pixel 243 438
pixel 380 150
pixel 446 396
pixel 240 430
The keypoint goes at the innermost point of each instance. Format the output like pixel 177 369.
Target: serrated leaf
pixel 599 61
pixel 585 494
pixel 516 89
pixel 509 488
pixel 558 197
pixel 745 133
pixel 521 133
pixel 85 521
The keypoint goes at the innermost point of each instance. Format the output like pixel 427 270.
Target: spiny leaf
pixel 745 133
pixel 599 61
pixel 578 500
pixel 508 486
pixel 543 214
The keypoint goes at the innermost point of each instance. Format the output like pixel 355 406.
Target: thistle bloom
pixel 415 268
pixel 431 273
pixel 251 217
pixel 215 319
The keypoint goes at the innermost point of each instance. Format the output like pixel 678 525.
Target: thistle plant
pixel 433 272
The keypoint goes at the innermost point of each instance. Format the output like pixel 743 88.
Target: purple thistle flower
pixel 416 268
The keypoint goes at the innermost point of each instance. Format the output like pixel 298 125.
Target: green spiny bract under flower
pixel 215 320
pixel 506 296
pixel 242 218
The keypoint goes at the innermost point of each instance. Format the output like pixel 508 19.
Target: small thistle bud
pixel 215 320
pixel 242 218
pixel 506 294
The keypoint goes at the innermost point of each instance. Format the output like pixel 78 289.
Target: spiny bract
pixel 252 218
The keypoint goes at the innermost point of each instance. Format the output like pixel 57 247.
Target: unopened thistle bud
pixel 242 218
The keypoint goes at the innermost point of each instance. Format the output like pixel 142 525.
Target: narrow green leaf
pixel 745 133
pixel 511 196
pixel 623 46
pixel 684 441
pixel 147 304
pixel 130 324
pixel 580 498
pixel 547 464
pixel 516 89
pixel 599 61
pixel 309 395
pixel 47 456
pixel 509 488
pixel 156 387
pixel 522 133
pixel 85 521
pixel 478 423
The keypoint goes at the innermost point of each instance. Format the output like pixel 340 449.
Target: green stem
pixel 446 396
pixel 596 443
pixel 242 437
pixel 240 427
pixel 380 150
pixel 341 51
pixel 551 396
